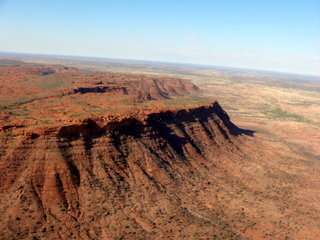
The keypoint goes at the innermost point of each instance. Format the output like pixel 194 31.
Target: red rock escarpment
pixel 102 179
pixel 35 82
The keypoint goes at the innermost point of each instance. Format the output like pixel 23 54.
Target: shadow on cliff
pixel 247 132
pixel 176 142
pixel 235 131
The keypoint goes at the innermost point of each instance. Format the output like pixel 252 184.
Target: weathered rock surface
pixel 94 156
pixel 20 80
pixel 135 172
pixel 111 156
pixel 124 178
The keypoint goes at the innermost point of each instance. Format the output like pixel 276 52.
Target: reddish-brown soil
pixel 95 156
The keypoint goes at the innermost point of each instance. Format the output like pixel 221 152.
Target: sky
pixel 281 35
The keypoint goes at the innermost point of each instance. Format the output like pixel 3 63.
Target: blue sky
pixel 257 34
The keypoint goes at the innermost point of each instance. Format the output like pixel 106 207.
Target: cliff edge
pixel 94 156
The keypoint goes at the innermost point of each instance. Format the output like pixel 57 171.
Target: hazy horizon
pixel 281 36
pixel 275 36
pixel 10 55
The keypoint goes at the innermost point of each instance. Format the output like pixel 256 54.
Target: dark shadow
pixel 187 137
pixel 173 140
pixel 74 173
pixel 247 132
pixel 89 129
pixel 236 131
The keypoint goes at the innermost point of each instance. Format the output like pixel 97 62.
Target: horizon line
pixel 159 61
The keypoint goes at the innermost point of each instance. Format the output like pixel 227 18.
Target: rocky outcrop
pixel 20 84
pixel 93 156
pixel 114 177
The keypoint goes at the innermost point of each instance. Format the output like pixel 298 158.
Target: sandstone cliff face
pixel 127 178
pixel 111 156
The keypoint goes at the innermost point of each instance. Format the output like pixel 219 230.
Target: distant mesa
pixel 83 82
pixel 10 62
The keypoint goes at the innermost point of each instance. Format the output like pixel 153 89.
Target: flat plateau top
pixel 47 94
